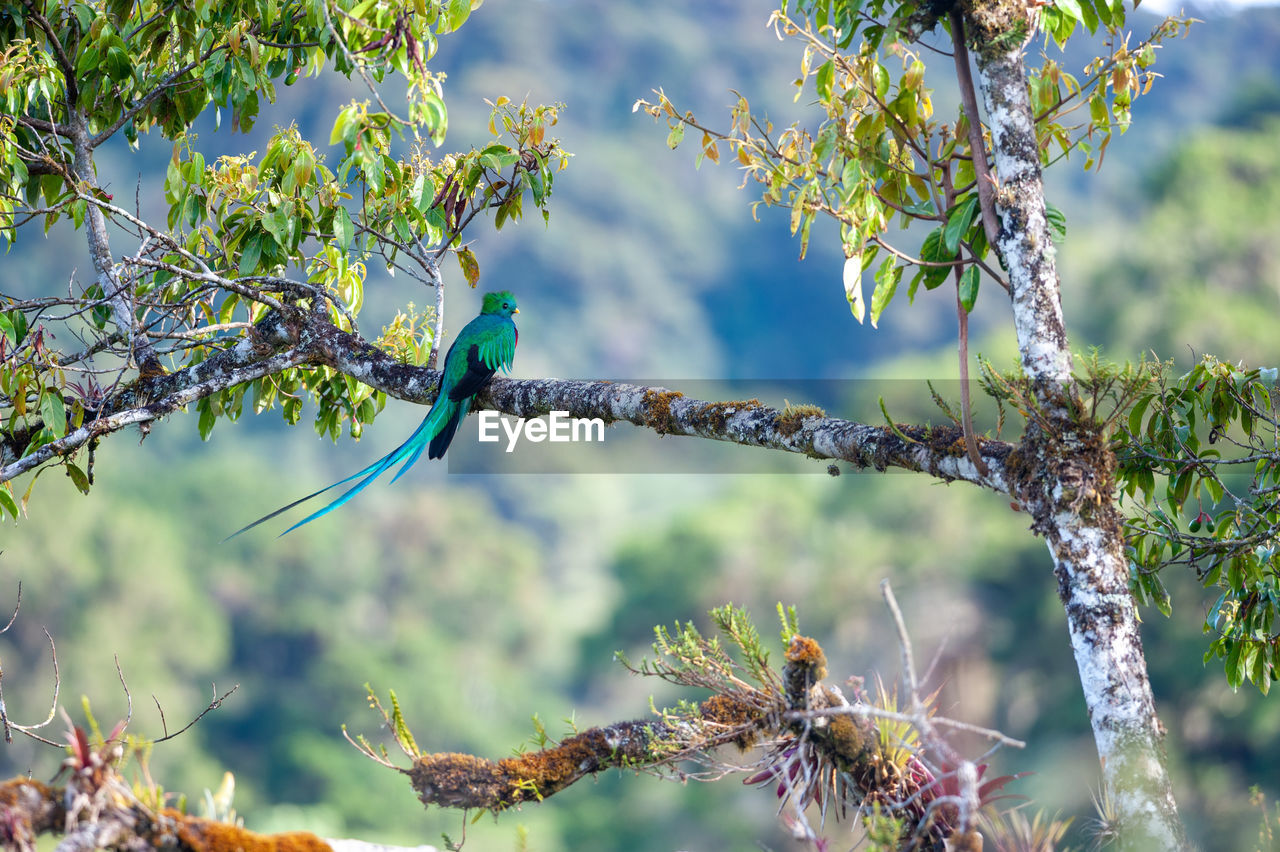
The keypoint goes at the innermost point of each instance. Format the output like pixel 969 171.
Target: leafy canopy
pixel 245 238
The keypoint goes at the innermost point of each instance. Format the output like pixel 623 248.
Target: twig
pixel 214 704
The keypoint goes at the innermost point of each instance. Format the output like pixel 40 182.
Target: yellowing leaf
pixel 470 267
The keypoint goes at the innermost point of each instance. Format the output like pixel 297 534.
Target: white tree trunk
pixel 1066 482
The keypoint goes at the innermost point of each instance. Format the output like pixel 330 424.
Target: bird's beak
pixel 515 311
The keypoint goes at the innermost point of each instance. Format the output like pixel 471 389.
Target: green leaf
pixel 343 228
pixel 1071 8
pixel 208 418
pixel 1098 110
pixel 456 13
pixel 77 476
pixel 969 286
pixel 1089 15
pixel 674 137
pixel 340 125
pixel 118 65
pixel 250 255
pixel 1135 415
pixel 934 251
pixel 54 413
pixel 823 79
pixel 8 503
pixel 437 117
pixel 1234 671
pixel 881 78
pixel 1057 221
pixel 958 221
pixel 887 278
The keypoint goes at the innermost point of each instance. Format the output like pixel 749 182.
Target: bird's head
pixel 501 303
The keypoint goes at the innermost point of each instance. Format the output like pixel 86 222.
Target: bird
pixel 485 345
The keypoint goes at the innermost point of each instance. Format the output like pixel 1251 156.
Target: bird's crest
pixel 501 302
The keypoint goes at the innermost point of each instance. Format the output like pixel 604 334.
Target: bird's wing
pixel 477 372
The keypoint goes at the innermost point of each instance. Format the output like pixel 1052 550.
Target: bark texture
pixel 279 343
pixel 1064 470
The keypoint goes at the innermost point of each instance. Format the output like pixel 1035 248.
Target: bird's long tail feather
pixel 412 447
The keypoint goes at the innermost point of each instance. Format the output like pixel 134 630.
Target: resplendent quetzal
pixel 485 345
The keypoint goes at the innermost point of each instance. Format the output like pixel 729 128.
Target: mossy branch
pixel 29 809
pixel 310 340
pixel 856 755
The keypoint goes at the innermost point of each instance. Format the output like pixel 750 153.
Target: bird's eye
pixel 505 305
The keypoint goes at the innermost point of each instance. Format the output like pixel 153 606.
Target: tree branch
pixel 152 398
pixel 981 168
pixel 276 344
pixel 938 450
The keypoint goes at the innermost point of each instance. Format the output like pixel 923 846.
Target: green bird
pixel 485 345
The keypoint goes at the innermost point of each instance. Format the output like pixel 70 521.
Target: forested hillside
pixel 482 600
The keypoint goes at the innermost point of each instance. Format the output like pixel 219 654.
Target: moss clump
pixel 657 410
pixel 793 416
pixel 851 739
pixel 732 713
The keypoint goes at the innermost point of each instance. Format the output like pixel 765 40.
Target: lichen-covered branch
pixel 938 451
pixel 305 339
pixel 150 399
pixel 465 781
pixel 815 746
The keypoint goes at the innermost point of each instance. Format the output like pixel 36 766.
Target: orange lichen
pixel 28 809
pixel 657 409
pixel 806 652
pixel 203 835
pixel 806 666
pixel 457 781
pixel 714 415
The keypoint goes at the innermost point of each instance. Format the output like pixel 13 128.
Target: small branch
pixel 969 97
pixel 966 405
pixel 29 730
pixel 100 250
pixel 213 704
pixel 55 46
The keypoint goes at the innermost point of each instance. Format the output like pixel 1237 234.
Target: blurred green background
pixel 485 599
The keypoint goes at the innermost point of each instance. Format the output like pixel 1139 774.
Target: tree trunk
pixel 1064 471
